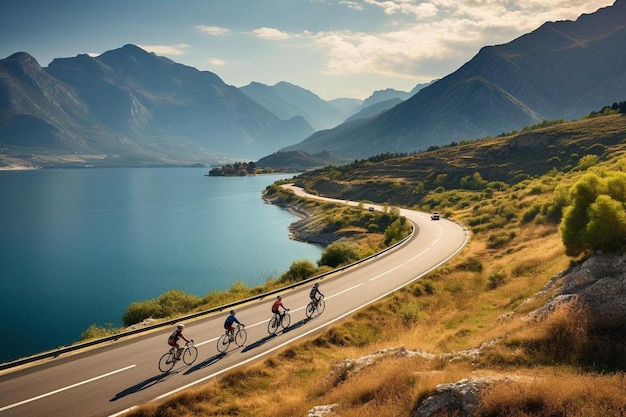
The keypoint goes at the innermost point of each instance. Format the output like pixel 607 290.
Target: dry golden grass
pixel 484 294
pixel 557 395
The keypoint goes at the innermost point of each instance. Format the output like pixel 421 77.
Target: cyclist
pixel 277 304
pixel 314 292
pixel 173 339
pixel 228 324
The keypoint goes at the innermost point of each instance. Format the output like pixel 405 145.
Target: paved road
pixel 111 379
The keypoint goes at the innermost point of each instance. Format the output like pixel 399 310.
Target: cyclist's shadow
pixel 142 385
pixel 207 362
pixel 296 325
pixel 258 343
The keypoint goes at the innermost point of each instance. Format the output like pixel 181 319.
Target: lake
pixel 78 246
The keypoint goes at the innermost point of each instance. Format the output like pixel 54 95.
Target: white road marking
pixel 7 407
pixel 385 273
pixel 346 290
pixel 418 255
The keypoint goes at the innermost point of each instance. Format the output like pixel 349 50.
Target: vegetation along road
pixel 113 378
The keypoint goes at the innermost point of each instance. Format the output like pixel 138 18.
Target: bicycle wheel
pixel 320 306
pixel 223 342
pixel 272 326
pixel 241 336
pixel 310 309
pixel 166 363
pixel 286 321
pixel 190 354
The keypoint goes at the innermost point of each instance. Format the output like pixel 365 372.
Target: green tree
pixel 596 217
pixel 397 231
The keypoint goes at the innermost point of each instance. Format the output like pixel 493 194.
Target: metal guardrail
pixel 60 351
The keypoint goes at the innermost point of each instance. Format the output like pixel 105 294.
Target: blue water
pixel 78 246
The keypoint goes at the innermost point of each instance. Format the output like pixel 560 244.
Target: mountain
pixel 374 109
pixel 561 70
pixel 287 100
pixel 132 107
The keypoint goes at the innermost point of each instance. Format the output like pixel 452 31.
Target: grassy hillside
pixel 561 367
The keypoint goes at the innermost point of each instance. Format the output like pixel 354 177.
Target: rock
pixel 459 398
pixel 599 284
pixel 321 410
pixel 351 366
pixel 145 323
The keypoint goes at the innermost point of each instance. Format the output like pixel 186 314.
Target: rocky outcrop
pixel 598 284
pixel 458 399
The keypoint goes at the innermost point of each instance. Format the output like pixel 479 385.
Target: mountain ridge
pixel 561 70
pixel 130 107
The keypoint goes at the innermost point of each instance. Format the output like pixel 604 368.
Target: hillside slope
pixel 503 160
pixel 561 70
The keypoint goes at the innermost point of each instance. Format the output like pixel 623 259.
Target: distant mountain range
pixel 563 70
pixel 286 100
pixel 131 107
pixel 128 107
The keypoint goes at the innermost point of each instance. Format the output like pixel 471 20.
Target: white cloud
pixel 351 4
pixel 216 62
pixel 177 49
pixel 418 8
pixel 442 35
pixel 212 30
pixel 270 33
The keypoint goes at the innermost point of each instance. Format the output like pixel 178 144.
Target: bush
pixel 339 253
pixel 169 304
pixel 96 332
pixel 299 270
pixel 496 279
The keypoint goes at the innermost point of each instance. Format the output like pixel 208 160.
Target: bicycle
pixel 315 306
pixel 238 336
pixel 279 320
pixel 188 355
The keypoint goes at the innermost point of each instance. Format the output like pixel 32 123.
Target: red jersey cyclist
pixel 278 304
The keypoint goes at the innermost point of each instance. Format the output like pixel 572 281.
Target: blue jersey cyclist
pixel 228 324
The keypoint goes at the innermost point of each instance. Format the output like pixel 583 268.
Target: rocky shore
pixel 311 228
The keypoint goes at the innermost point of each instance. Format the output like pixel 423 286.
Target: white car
pixel 435 215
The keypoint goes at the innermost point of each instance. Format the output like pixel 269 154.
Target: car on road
pixel 370 208
pixel 435 215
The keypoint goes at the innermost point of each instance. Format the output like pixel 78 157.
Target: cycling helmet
pixel 232 312
pixel 180 326
pixel 279 297
pixel 316 285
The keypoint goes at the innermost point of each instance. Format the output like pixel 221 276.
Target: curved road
pixel 112 378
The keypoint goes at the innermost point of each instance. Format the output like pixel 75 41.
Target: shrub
pixel 339 253
pixel 299 270
pixel 496 279
pixel 97 332
pixel 169 304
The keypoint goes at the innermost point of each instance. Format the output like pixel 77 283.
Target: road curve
pixel 113 378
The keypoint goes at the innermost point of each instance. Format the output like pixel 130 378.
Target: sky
pixel 334 48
